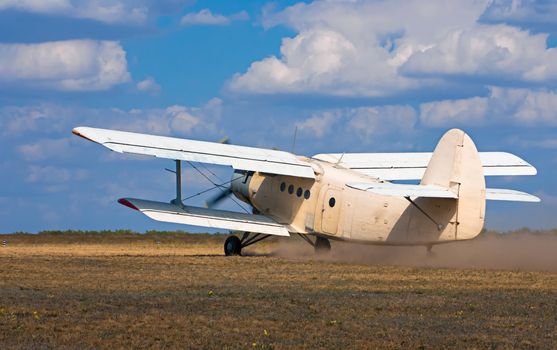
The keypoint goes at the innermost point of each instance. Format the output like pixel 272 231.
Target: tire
pixel 322 246
pixel 232 246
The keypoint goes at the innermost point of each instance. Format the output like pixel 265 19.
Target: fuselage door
pixel 332 203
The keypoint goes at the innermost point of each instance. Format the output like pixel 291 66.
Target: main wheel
pixel 322 245
pixel 232 246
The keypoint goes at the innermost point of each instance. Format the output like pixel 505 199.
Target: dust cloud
pixel 519 250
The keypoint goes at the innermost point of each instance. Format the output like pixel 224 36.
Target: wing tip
pixel 79 131
pixel 127 203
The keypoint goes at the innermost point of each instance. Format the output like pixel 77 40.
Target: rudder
pixel 455 164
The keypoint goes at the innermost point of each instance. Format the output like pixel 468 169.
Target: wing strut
pixel 306 239
pixel 245 241
pixel 439 226
pixel 178 200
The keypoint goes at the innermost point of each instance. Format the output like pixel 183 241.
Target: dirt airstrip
pixel 83 290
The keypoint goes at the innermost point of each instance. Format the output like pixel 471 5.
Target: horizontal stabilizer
pixel 239 157
pixel 499 194
pixel 206 217
pixel 403 190
pixel 411 166
pixel 431 191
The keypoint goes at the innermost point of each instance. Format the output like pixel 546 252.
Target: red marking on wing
pixel 77 133
pixel 127 203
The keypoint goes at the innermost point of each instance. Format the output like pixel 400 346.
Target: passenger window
pixel 282 187
pixel 299 192
pixel 332 202
pixel 291 189
pixel 307 194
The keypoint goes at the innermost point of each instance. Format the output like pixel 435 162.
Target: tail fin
pixel 455 164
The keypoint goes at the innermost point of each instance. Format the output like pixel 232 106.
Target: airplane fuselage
pixel 328 207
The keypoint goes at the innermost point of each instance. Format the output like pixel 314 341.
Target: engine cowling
pixel 240 184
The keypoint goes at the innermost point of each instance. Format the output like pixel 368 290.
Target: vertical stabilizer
pixel 455 164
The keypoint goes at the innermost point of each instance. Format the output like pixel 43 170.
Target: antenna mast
pixel 294 140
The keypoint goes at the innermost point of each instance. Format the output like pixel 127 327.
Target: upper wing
pixel 411 166
pixel 206 217
pixel 239 157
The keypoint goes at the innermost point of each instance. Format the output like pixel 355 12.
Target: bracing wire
pixel 215 184
pixel 210 189
pixel 215 175
pixel 218 177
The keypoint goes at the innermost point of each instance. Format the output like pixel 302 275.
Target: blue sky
pixel 352 76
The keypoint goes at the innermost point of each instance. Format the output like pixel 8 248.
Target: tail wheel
pixel 322 245
pixel 232 246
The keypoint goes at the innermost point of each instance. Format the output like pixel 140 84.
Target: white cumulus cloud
pixel 174 120
pixel 515 106
pixel 319 124
pixel 52 174
pixel 368 121
pixel 319 60
pixel 206 17
pixel 381 48
pixel 148 85
pixel 46 149
pixel 46 118
pixel 72 65
pixel 363 122
pixel 108 11
pixel 488 51
pixel 49 120
pixel 454 112
pixel 522 11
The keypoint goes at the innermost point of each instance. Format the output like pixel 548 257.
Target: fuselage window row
pixel 299 191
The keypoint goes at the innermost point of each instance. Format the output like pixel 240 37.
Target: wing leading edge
pixel 239 157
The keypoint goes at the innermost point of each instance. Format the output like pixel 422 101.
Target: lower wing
pixel 206 217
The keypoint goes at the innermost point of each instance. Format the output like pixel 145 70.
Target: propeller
pixel 213 201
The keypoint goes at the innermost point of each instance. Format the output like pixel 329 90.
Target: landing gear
pixel 233 245
pixel 428 249
pixel 322 246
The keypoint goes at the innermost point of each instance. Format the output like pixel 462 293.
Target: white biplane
pixel 349 197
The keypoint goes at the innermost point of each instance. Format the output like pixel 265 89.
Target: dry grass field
pixel 93 291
